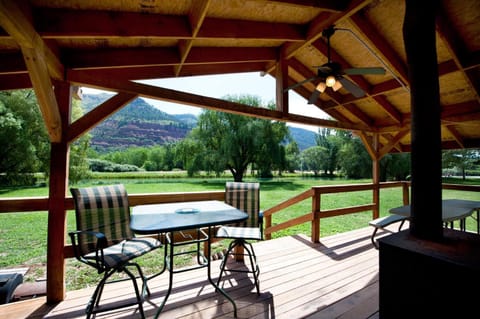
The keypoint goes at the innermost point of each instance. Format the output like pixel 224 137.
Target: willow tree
pixel 235 142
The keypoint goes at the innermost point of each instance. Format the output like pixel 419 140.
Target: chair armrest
pixel 99 246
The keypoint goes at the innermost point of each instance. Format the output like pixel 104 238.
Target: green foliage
pixel 25 145
pixel 395 167
pixel 98 165
pixel 314 157
pixel 234 142
pixel 331 143
pixel 461 160
pixel 292 156
pixel 354 160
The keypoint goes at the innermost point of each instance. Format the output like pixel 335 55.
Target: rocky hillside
pixel 137 124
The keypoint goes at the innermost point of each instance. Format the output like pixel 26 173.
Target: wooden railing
pixel 316 214
pixel 314 194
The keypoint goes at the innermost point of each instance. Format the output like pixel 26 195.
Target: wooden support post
pixel 281 85
pixel 419 31
pixel 316 217
pixel 405 193
pixel 376 177
pixel 57 225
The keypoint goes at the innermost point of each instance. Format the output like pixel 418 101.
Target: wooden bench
pixel 383 222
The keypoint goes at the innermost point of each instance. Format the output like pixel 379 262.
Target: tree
pixel 314 157
pixel 25 145
pixel 78 164
pixel 354 160
pixel 461 159
pixel 395 166
pixel 235 142
pixel 332 144
pixel 292 156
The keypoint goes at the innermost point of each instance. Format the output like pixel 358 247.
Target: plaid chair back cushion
pixel 102 209
pixel 246 197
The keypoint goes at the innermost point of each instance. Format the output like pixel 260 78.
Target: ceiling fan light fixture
pixel 330 81
pixel 337 86
pixel 321 87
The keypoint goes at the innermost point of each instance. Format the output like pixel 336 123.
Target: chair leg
pixel 137 292
pixel 255 270
pixel 230 248
pixel 145 289
pixel 97 294
pixel 95 299
pixel 254 265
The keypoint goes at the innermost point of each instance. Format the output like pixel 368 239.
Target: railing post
pixel 316 216
pixel 268 224
pixel 405 192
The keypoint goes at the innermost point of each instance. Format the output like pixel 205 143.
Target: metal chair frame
pixel 246 197
pixel 104 241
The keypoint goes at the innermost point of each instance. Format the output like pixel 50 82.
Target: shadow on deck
pixel 337 278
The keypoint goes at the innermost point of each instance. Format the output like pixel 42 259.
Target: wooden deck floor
pixel 337 278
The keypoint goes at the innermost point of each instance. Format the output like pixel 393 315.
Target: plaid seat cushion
pixel 253 233
pixel 125 251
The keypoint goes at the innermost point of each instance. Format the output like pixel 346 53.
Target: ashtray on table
pixel 187 211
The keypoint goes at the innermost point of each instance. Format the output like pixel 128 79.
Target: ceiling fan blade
pixel 361 71
pixel 300 83
pixel 351 87
pixel 313 98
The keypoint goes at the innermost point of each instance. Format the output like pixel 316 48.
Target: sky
pixel 219 86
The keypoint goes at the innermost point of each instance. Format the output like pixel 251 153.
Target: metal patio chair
pixel 104 241
pixel 246 197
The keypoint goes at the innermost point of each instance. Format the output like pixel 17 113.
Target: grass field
pixel 24 235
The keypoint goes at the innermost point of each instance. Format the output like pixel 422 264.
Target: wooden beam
pixel 76 24
pixel 368 145
pixel 321 22
pixel 330 5
pixel 386 148
pixel 13 19
pixel 381 45
pixel 281 82
pixel 174 96
pixel 456 48
pixel 121 58
pixel 196 16
pixel 456 135
pixel 57 217
pixel 40 61
pixel 98 114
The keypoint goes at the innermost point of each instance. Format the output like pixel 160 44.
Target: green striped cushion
pixel 246 197
pixel 102 209
pixel 125 250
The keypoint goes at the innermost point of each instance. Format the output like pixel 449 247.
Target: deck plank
pixel 336 278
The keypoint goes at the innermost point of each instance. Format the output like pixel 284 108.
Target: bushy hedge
pixel 98 165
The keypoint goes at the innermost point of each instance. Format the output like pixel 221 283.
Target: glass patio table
pixel 171 218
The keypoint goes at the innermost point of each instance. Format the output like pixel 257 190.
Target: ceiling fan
pixel 331 74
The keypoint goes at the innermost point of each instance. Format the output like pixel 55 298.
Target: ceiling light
pixel 321 87
pixel 337 86
pixel 330 81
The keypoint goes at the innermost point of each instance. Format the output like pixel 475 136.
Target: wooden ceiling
pixel 109 43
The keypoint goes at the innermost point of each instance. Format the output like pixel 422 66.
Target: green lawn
pixel 23 235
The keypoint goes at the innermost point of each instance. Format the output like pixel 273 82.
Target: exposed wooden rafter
pixel 42 64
